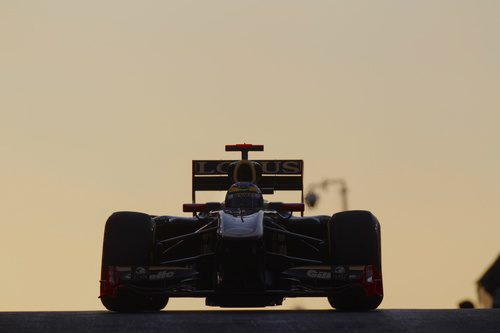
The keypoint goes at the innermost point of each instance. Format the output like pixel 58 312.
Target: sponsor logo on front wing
pixel 338 273
pixel 161 275
pixel 314 274
pixel 324 272
pixel 142 273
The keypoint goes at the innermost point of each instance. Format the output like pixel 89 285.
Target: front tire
pixel 129 241
pixel 355 240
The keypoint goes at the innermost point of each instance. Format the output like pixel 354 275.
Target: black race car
pixel 244 252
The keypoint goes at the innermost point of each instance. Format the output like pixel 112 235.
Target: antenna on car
pixel 244 148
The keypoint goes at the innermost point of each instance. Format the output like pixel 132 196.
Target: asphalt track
pixel 466 320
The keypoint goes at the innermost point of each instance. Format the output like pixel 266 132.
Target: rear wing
pixel 278 175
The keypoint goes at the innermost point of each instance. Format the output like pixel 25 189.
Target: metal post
pixel 332 181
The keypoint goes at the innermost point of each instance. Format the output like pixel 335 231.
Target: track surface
pixel 255 321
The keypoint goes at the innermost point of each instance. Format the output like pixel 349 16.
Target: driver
pixel 244 195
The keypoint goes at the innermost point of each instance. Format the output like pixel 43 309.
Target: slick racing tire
pixel 355 240
pixel 129 241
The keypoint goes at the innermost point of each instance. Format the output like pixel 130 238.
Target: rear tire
pixel 129 241
pixel 355 240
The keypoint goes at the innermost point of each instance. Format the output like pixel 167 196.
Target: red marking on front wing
pixel 372 281
pixel 110 283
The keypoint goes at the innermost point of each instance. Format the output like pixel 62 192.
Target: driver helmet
pixel 244 195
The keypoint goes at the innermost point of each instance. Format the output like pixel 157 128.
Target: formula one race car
pixel 245 251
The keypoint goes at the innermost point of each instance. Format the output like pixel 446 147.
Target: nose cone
pixel 241 227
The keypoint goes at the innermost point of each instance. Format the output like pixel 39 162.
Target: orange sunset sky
pixel 103 105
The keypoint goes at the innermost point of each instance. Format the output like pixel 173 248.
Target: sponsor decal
pixel 314 274
pixel 153 273
pixel 140 271
pixel 339 273
pixel 162 275
pixel 279 167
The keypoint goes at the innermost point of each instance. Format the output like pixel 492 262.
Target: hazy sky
pixel 103 105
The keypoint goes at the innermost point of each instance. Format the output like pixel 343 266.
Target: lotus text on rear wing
pixel 277 167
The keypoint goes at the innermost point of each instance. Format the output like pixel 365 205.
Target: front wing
pixel 303 281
